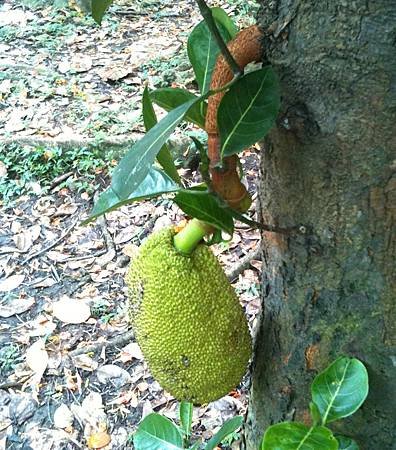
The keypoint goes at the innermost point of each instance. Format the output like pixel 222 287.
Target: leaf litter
pixel 62 294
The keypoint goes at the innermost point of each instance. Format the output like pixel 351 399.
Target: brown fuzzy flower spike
pixel 245 48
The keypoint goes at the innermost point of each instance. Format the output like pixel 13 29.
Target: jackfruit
pixel 187 320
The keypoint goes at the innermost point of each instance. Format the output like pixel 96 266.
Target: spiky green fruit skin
pixel 188 321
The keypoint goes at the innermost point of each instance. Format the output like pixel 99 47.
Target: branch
pixel 129 336
pixel 243 264
pixel 210 22
pixel 72 141
pixel 50 246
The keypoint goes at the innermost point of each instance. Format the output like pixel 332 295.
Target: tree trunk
pixel 329 166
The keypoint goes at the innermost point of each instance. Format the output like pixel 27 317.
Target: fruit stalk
pixel 191 235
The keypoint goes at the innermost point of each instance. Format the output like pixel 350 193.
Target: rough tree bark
pixel 330 165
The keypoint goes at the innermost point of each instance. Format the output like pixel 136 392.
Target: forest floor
pixel 70 101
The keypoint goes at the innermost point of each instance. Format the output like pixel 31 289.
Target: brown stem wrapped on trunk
pixel 245 48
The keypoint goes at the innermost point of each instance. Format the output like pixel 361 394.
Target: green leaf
pixel 220 16
pixel 185 414
pixel 203 50
pixel 228 428
pixel 346 443
pixel 204 163
pixel 156 432
pixel 134 166
pixel 164 156
pixel 242 218
pixel 315 414
pixel 170 98
pixel 155 183
pixel 293 436
pixel 205 206
pixel 99 7
pixel 341 389
pixel 195 446
pixel 248 110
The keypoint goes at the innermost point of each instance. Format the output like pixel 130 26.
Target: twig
pixel 82 257
pixel 243 264
pixel 117 341
pixel 72 141
pixel 130 12
pixel 12 384
pixel 84 280
pixel 54 244
pixel 103 226
pixel 208 17
pixel 58 180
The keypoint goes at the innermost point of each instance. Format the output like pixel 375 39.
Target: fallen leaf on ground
pixel 63 417
pixel 69 310
pixel 129 352
pixel 14 306
pixel 81 63
pixel 113 374
pixel 92 402
pixel 98 440
pixel 126 234
pixel 85 362
pixel 258 265
pixel 11 283
pixel 130 250
pixel 37 358
pixel 115 72
pixel 3 169
pixel 41 326
pixel 43 282
pixel 106 258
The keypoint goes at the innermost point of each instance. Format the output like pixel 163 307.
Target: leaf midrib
pixel 332 400
pixel 305 438
pixel 204 87
pixel 169 445
pixel 159 137
pixel 232 132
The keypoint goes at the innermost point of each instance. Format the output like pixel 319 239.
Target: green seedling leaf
pixel 155 183
pixel 156 432
pixel 228 428
pixel 204 206
pixel 164 156
pixel 248 110
pixel 341 389
pixel 293 436
pixel 135 165
pixel 185 414
pixel 99 7
pixel 203 50
pixel 171 98
pixel 346 443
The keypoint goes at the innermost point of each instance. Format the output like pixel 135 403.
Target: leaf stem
pixel 191 235
pixel 210 22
